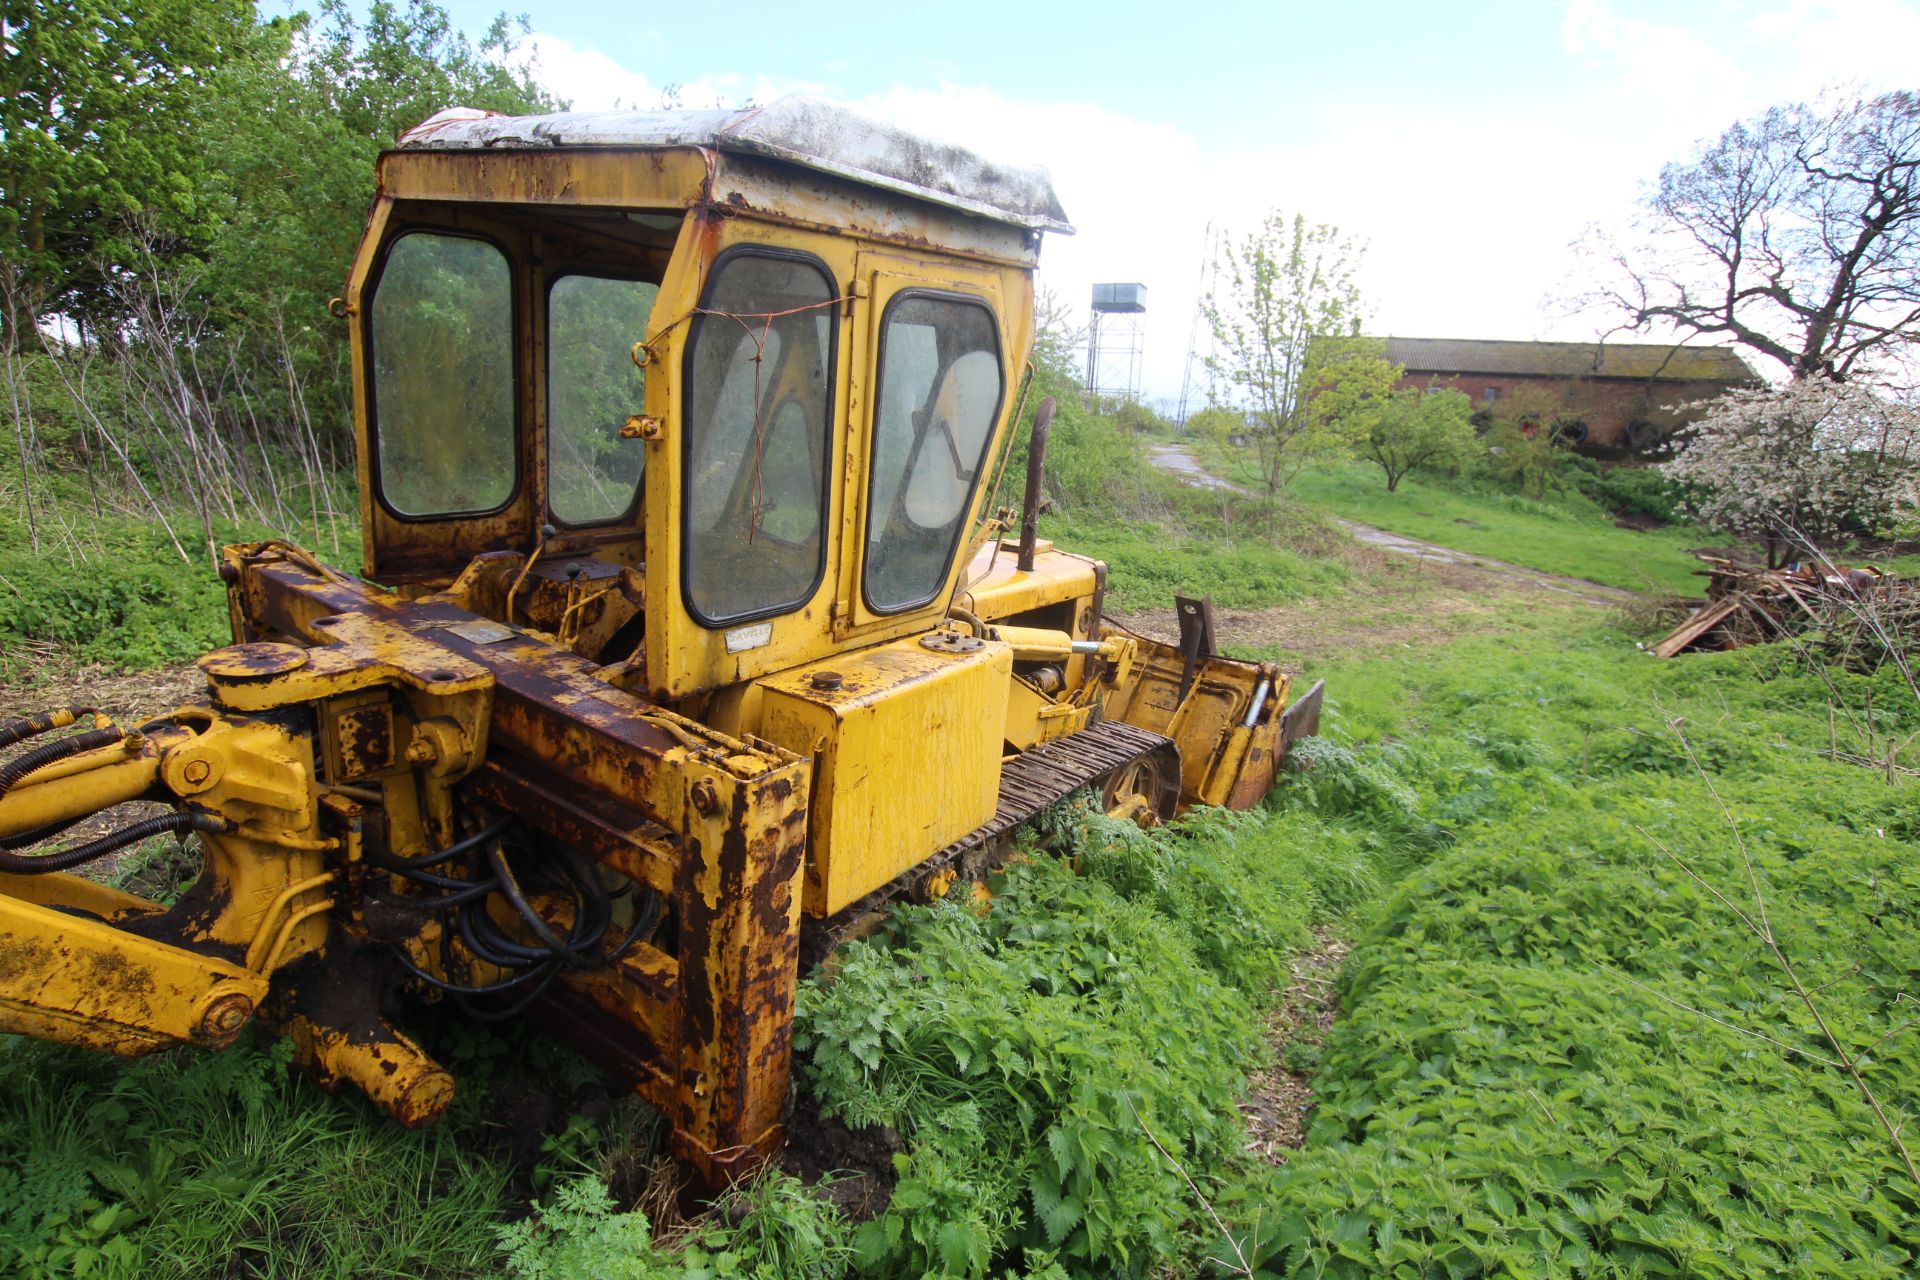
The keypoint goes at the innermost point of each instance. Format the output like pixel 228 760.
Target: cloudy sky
pixel 1468 144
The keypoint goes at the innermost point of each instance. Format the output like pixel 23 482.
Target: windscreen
pixel 593 387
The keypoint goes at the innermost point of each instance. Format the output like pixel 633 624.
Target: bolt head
pixel 225 1016
pixel 705 798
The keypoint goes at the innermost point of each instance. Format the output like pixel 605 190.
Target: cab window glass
pixel 759 402
pixel 441 328
pixel 938 398
pixel 593 387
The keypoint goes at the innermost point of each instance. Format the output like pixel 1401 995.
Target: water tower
pixel 1116 341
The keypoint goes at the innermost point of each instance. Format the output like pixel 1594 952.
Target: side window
pixel 593 386
pixel 441 330
pixel 938 398
pixel 758 415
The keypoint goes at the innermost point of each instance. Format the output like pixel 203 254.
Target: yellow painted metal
pixel 1220 754
pixel 78 786
pixel 63 977
pixel 381 1061
pixel 745 778
pixel 685 657
pixel 63 889
pixel 906 750
pixel 1035 644
pixel 999 589
pixel 87 982
pixel 1034 717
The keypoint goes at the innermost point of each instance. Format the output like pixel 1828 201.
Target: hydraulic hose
pixel 27 839
pixel 31 865
pixel 41 756
pixel 393 862
pixel 26 727
pixel 531 967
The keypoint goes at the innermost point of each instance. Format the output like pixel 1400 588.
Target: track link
pixel 1030 782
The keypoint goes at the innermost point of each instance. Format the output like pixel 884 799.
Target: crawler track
pixel 1029 782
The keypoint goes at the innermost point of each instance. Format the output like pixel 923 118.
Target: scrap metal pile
pixel 1844 606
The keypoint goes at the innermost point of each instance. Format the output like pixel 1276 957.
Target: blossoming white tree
pixel 1814 460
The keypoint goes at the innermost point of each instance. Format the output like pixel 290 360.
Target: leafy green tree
pixel 290 135
pixel 1216 423
pixel 1286 320
pixel 1420 428
pixel 1059 344
pixel 98 158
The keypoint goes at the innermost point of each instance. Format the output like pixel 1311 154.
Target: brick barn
pixel 1607 398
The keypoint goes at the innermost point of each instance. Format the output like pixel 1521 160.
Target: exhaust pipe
pixel 1036 462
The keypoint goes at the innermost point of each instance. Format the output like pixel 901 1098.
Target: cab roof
pixel 810 132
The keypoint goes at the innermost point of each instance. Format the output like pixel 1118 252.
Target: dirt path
pixel 1178 460
pixel 1279 1098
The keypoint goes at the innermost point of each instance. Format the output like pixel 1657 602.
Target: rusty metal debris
pixel 1746 606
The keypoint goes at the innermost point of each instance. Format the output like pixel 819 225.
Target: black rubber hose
pixel 480 931
pixel 26 865
pixel 485 940
pixel 47 831
pixel 41 756
pixel 392 862
pixel 469 892
pixel 455 988
pixel 27 726
pixel 566 950
pixel 503 1012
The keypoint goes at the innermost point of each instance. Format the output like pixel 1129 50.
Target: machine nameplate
pixel 483 631
pixel 741 639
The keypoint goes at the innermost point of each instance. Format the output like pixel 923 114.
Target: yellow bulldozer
pixel 690 631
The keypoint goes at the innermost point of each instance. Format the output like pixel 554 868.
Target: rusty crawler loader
pixel 698 629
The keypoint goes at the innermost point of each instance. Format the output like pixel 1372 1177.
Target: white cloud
pixel 1835 42
pixel 1653 61
pixel 590 80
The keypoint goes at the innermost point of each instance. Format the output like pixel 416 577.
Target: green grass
pixel 1148 563
pixel 1568 535
pixel 1515 1087
pixel 120 593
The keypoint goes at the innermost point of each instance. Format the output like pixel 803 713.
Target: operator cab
pixel 709 393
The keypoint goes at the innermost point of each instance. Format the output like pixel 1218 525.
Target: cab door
pixel 933 400
pixel 742 487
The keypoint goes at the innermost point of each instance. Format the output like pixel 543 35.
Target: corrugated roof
pixel 811 132
pixel 1637 360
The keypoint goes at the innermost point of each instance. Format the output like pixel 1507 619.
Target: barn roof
pixel 810 132
pixel 1637 360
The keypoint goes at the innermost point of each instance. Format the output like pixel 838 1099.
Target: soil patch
pixel 1397 603
pixel 1279 1098
pixel 850 1168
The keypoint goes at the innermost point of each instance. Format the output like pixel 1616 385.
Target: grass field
pixel 1568 536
